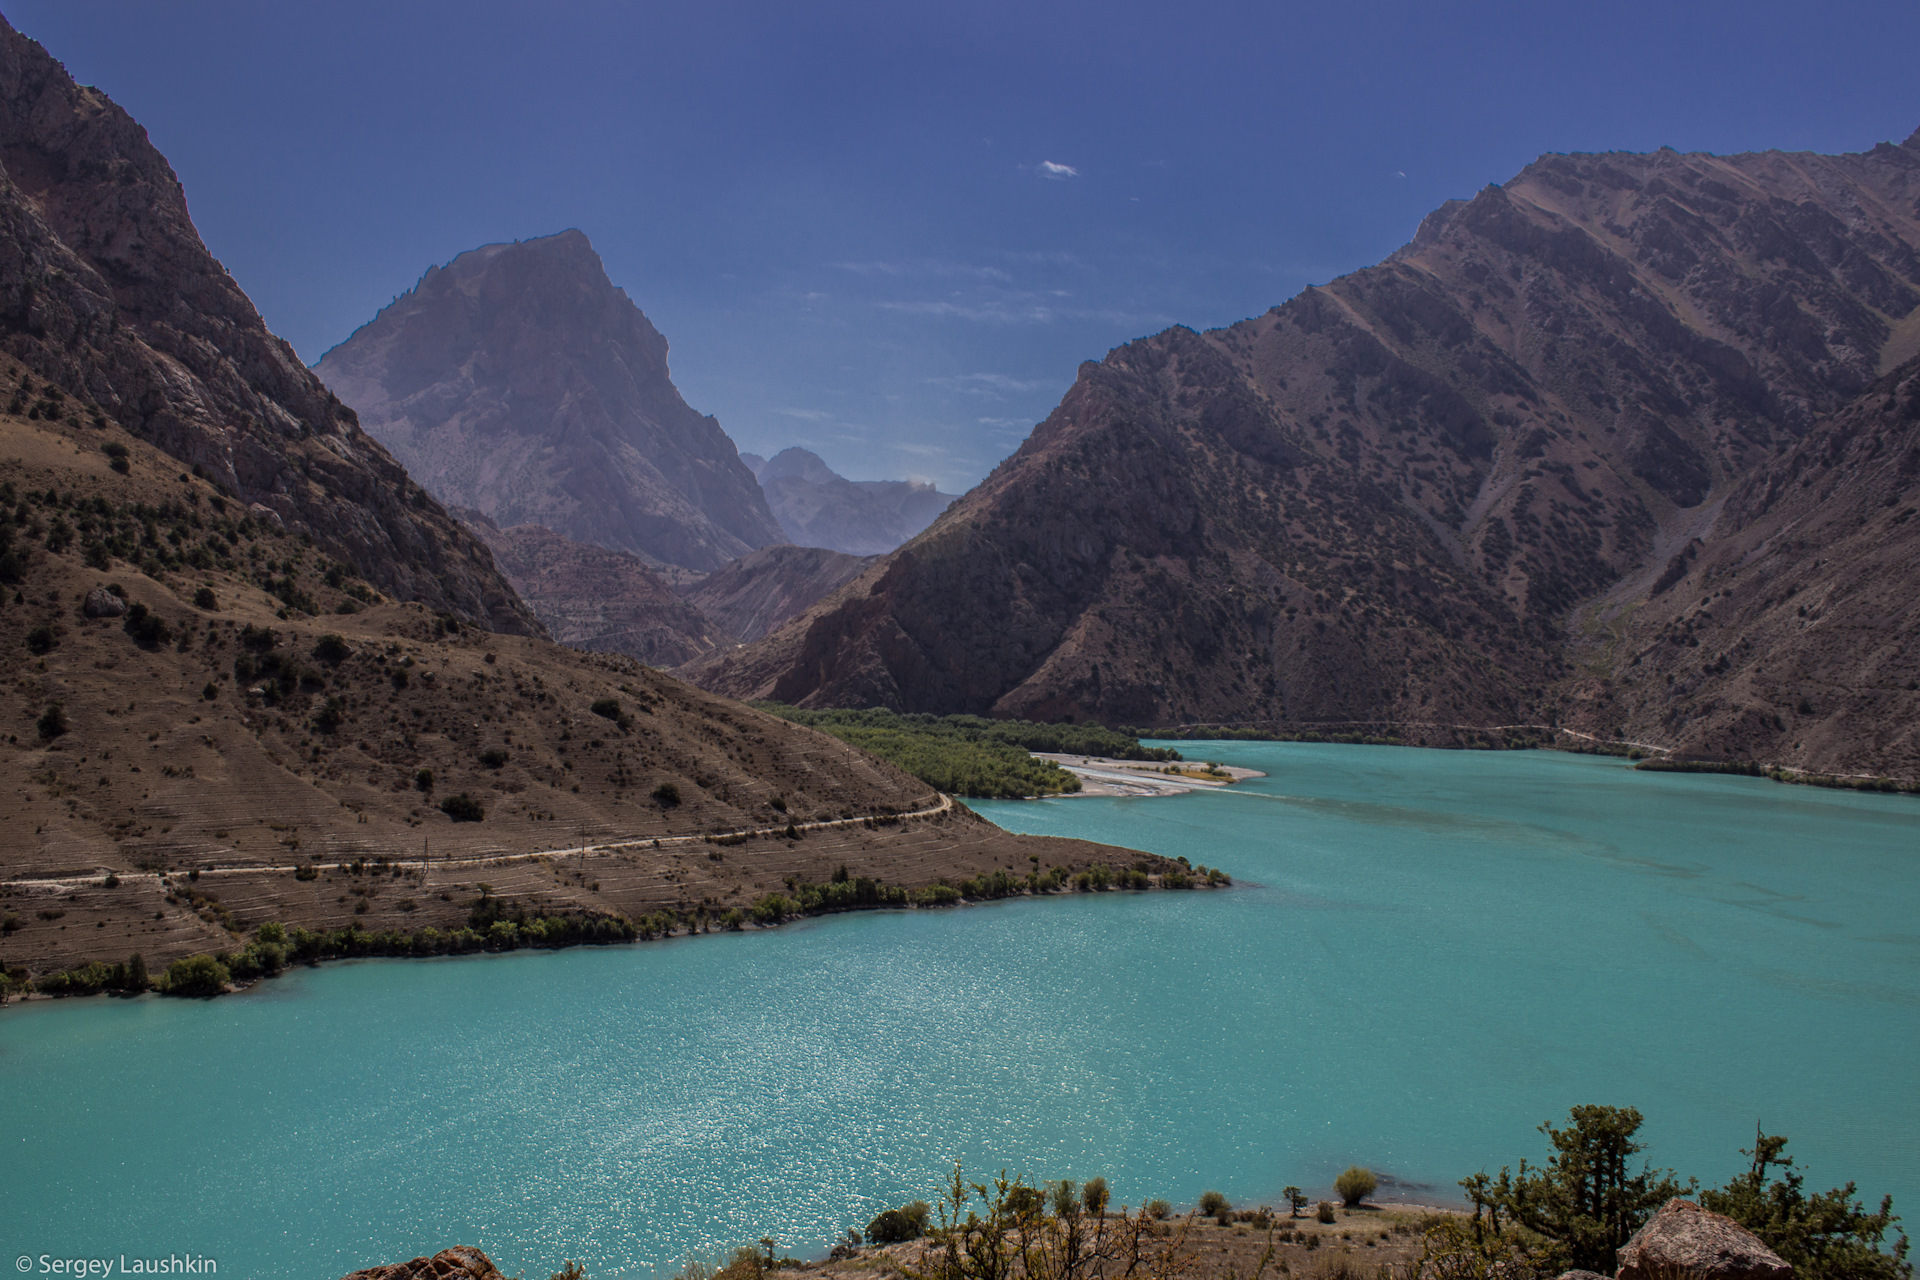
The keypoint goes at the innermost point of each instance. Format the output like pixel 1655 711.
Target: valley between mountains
pixel 1626 449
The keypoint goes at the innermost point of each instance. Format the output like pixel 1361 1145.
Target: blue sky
pixel 890 231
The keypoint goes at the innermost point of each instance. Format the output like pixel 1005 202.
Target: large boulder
pixel 102 603
pixel 461 1262
pixel 1684 1238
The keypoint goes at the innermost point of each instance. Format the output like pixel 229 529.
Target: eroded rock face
pixel 756 594
pixel 107 291
pixel 1684 1239
pixel 462 1262
pixel 518 381
pixel 1788 635
pixel 1379 504
pixel 598 599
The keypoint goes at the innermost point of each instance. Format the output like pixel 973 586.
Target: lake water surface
pixel 1426 955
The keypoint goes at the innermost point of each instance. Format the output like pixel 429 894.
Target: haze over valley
pixel 1217 610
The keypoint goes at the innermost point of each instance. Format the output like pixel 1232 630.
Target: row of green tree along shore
pixel 1573 1212
pixel 495 925
pixel 971 755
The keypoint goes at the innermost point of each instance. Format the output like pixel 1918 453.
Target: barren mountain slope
pixel 1791 635
pixel 107 291
pixel 1380 501
pixel 756 593
pixel 597 599
pixel 517 380
pixel 258 729
pixel 818 507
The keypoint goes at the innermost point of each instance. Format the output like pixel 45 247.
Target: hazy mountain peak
pixel 519 381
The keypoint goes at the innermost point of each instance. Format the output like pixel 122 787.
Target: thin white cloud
pixel 806 415
pixel 1058 172
pixel 995 385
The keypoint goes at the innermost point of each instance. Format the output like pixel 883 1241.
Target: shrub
pixel 1214 1205
pixel 891 1227
pixel 1093 1194
pixel 259 639
pixel 331 649
pixel 146 627
pixel 330 715
pixel 666 795
pixel 210 691
pixel 195 976
pixel 40 640
pixel 204 599
pixel 1324 1213
pixel 493 757
pixel 1356 1184
pixel 462 808
pixel 52 722
pixel 1171 879
pixel 423 780
pixel 606 708
pixel 1159 1210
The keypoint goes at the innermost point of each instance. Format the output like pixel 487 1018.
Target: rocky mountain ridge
pixel 108 294
pixel 818 507
pixel 517 380
pixel 1387 500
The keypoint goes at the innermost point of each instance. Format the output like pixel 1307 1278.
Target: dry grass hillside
pixel 257 717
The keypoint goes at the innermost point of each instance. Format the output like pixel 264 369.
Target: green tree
pixel 1296 1200
pixel 1584 1200
pixel 1356 1184
pixel 1827 1236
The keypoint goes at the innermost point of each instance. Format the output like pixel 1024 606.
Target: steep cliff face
pixel 517 380
pixel 818 507
pixel 1385 499
pixel 1789 635
pixel 107 292
pixel 597 599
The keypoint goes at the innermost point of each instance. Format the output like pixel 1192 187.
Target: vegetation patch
pixel 971 755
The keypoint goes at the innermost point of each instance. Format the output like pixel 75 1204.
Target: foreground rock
pixel 1684 1239
pixel 458 1263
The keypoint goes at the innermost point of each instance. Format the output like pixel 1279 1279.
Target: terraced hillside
pixel 192 690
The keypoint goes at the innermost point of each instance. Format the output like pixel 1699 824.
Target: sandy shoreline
pixel 1103 776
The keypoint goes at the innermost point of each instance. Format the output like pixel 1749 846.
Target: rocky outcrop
pixel 461 1262
pixel 1386 500
pixel 1685 1240
pixel 818 507
pixel 756 594
pixel 102 603
pixel 518 381
pixel 597 599
pixel 108 294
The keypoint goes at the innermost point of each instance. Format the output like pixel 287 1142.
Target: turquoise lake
pixel 1426 955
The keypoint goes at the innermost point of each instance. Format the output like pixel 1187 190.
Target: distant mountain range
pixel 518 381
pixel 817 507
pixel 1437 494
